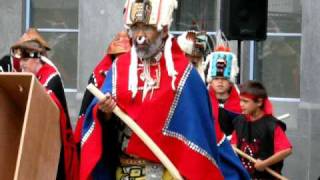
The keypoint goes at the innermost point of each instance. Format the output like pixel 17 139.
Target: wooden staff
pixel 269 170
pixel 284 116
pixel 141 134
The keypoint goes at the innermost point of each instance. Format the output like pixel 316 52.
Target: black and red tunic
pixel 50 79
pixel 257 139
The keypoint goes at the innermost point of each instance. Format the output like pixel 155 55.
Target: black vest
pixel 257 139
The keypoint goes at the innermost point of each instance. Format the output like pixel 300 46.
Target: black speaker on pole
pixel 244 19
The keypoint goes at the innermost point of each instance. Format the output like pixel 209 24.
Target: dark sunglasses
pixel 23 54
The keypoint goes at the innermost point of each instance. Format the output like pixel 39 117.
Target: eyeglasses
pixel 24 54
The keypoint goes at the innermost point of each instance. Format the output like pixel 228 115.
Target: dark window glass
pixel 200 13
pixel 59 15
pixel 284 16
pixel 62 14
pixel 277 66
pixel 64 55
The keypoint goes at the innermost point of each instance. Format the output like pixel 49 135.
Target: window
pixel 57 21
pixel 201 13
pixel 284 16
pixel 277 65
pixel 276 61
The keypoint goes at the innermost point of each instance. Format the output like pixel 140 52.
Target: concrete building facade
pixel 99 20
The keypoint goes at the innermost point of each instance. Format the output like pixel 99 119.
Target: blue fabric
pixel 101 172
pixel 194 107
pixel 88 118
pixel 230 164
pixel 106 87
pixel 192 114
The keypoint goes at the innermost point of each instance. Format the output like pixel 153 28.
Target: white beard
pixel 151 50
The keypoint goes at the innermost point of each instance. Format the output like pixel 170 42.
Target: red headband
pixel 266 102
pixel 248 95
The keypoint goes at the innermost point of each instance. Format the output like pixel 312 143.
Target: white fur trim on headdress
pixel 185 44
pixel 166 13
pixel 234 69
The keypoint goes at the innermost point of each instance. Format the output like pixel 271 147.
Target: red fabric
pixel 16 65
pixel 99 75
pixel 100 70
pixel 281 141
pixel 190 164
pixel 45 73
pixel 93 146
pixel 78 129
pixel 71 162
pixel 268 109
pixel 219 133
pixel 232 104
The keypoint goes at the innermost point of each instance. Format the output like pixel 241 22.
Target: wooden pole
pixel 141 134
pixel 269 170
pixel 284 116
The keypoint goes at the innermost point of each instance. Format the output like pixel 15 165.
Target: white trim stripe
pixel 49 78
pixel 88 133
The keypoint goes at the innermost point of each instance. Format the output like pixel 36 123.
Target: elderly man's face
pixel 146 39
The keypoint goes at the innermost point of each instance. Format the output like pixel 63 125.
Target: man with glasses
pixel 31 53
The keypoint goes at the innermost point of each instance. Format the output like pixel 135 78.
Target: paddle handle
pixel 269 170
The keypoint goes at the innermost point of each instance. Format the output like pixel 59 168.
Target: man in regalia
pixel 160 90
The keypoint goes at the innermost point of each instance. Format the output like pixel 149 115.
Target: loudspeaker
pixel 244 19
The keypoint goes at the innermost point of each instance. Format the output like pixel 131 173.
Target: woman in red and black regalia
pixel 30 50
